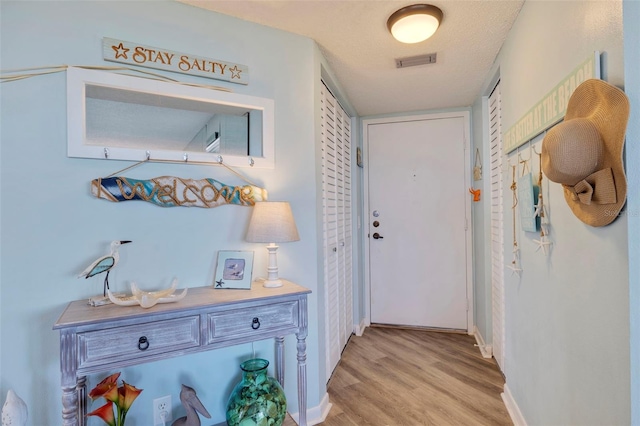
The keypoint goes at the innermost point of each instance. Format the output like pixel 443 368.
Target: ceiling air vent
pixel 412 61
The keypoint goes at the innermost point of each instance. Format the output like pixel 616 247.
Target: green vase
pixel 258 400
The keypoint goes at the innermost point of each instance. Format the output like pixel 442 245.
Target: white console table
pixel 97 339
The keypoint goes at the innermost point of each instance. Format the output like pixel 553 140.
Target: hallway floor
pixel 394 377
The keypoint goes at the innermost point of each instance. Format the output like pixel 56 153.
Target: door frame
pixel 468 218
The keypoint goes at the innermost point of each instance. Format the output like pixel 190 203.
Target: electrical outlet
pixel 162 410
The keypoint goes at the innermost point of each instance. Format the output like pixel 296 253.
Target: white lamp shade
pixel 272 222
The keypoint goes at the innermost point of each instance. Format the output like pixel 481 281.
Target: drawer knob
pixel 143 343
pixel 255 324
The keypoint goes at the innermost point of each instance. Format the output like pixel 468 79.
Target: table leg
pixel 70 407
pixel 280 360
pixel 302 362
pixel 302 380
pixel 81 390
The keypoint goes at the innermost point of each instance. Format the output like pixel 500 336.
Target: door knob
pixel 377 236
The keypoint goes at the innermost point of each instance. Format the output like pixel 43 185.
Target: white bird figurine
pixel 14 410
pixel 104 264
pixel 192 404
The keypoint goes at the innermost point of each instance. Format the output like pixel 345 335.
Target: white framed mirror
pixel 124 117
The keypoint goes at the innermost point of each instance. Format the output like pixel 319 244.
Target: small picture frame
pixel 233 270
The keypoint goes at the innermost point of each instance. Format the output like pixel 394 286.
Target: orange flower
pixel 128 394
pixel 104 387
pixel 122 397
pixel 105 413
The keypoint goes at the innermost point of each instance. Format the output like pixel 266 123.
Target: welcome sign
pixel 154 57
pixel 552 107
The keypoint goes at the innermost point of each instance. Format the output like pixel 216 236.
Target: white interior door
pixel 417 218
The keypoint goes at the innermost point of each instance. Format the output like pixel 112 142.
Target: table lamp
pixel 272 222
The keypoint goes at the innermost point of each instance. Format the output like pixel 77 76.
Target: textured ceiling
pixel 352 35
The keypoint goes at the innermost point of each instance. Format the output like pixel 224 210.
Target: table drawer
pixel 238 323
pixel 119 344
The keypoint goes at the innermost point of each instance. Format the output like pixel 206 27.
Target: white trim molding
pixel 485 350
pixel 358 329
pixel 512 407
pixel 317 414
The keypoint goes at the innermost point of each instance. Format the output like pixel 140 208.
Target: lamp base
pixel 272 283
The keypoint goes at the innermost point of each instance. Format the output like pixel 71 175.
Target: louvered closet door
pixel 337 240
pixel 497 229
pixel 343 187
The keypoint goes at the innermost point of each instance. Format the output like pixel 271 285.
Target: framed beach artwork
pixel 233 270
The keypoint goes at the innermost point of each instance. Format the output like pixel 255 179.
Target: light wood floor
pixel 396 377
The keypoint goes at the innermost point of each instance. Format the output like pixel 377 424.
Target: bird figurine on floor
pixel 192 404
pixel 104 264
pixel 14 410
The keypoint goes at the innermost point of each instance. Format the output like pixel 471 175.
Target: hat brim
pixel 608 108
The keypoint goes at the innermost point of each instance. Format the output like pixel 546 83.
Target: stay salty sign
pixel 162 59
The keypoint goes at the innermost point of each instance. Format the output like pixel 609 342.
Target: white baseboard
pixel 318 414
pixel 514 411
pixel 359 328
pixel 485 350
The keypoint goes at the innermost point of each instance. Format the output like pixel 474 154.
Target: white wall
pixel 567 318
pixel 52 227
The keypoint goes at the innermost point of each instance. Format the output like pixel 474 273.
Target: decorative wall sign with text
pixel 169 191
pixel 552 107
pixel 162 59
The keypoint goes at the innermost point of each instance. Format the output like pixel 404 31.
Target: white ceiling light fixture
pixel 415 23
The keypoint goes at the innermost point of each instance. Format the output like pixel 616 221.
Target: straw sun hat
pixel 584 152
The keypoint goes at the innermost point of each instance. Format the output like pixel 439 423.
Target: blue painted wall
pixel 631 14
pixel 52 227
pixel 567 319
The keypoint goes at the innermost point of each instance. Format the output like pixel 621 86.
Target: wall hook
pixel 535 151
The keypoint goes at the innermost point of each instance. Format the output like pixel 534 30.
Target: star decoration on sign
pixel 235 71
pixel 121 51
